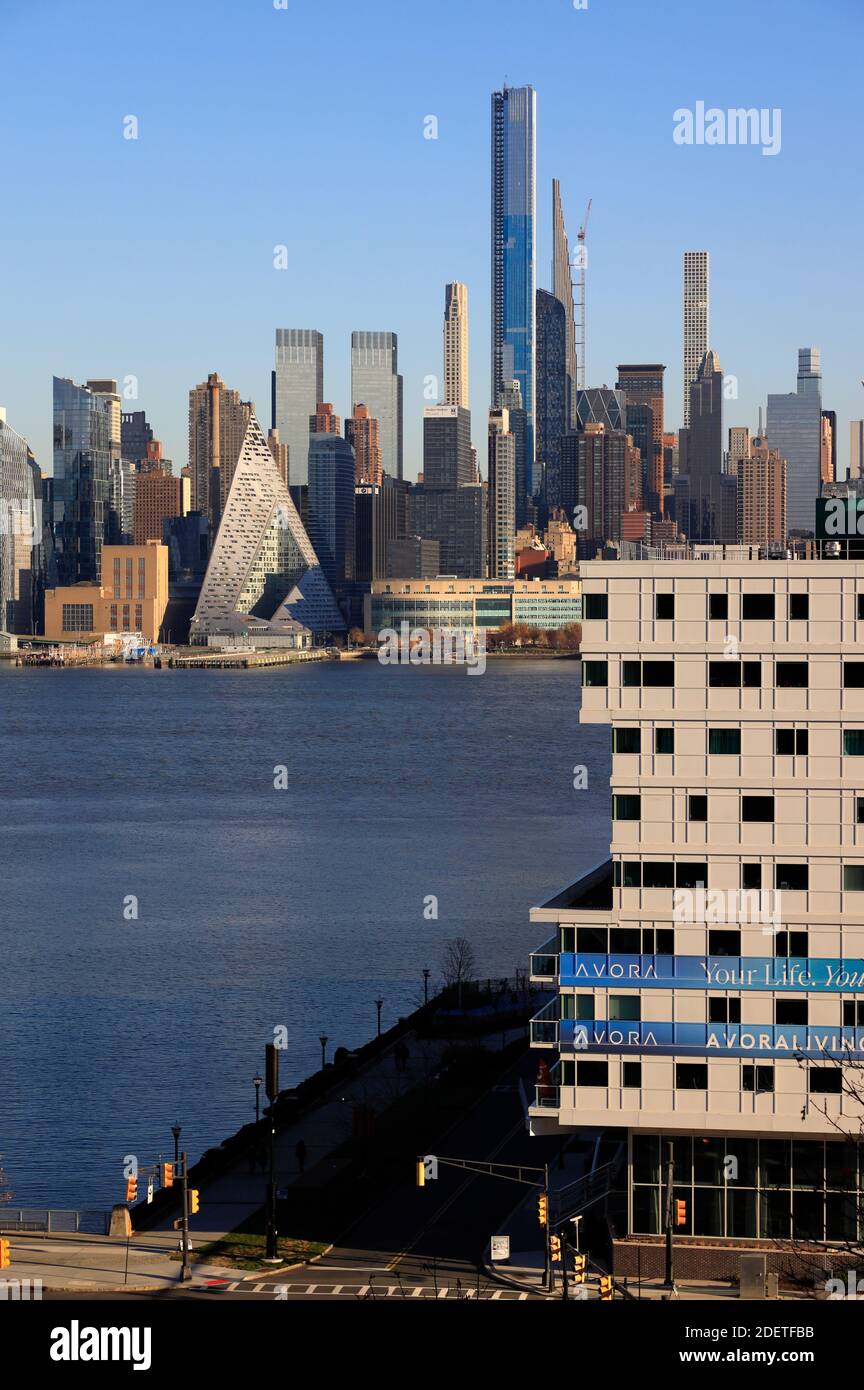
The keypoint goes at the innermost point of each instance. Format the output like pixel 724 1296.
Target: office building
pixel 562 288
pixel 457 518
pixel 158 497
pixel 136 437
pixel 511 400
pixel 597 405
pixel 553 394
pixel 473 605
pixel 377 523
pixel 81 483
pixel 502 495
pixel 707 1008
pixel 413 557
pixel 696 320
pixel 739 447
pixel 375 381
pixel 795 431
pixel 761 477
pixel 362 433
pixel 218 421
pixel 641 385
pixel 331 506
pixel 297 387
pixel 514 255
pixel 456 345
pixel 601 472
pixel 856 449
pixel 20 531
pixel 447 446
pixel 827 447
pixel 131 597
pixel 262 562
pixel 706 498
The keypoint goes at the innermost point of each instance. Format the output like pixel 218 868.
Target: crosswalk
pixel 360 1291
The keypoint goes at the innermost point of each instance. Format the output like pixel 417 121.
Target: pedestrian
pixel 300 1151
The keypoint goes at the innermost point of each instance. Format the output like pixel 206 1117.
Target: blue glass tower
pixel 514 254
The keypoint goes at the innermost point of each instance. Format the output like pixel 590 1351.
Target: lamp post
pixel 176 1130
pixel 257 1082
pixel 323 1040
pixel 379 1005
pixel 426 974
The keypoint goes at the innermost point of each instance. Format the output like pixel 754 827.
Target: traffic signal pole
pixel 546 1230
pixel 185 1272
pixel 670 1176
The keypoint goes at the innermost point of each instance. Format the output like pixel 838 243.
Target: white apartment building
pixel 710 976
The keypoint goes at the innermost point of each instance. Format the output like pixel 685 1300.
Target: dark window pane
pixel 741 1213
pixel 752 674
pixel 724 673
pixel 595 606
pixel 691 875
pixel 790 1012
pixel 595 673
pixel 708 1211
pixel 592 1073
pixel 784 742
pixel 853 743
pixel 658 874
pixel 658 673
pixel 632 1075
pixel 691 1076
pixel 626 806
pixel 791 675
pixel 724 740
pixel 626 740
pixel 665 942
pixel 751 875
pixel 775 1215
pixel 664 606
pixel 774 1162
pixel 664 740
pixel 646 1210
pixel 808 1161
pixel 826 1081
pixel 631 673
pixel 799 607
pixel 794 878
pixel 592 940
pixel 625 1008
pixel 802 742
pixel 757 808
pixel 632 874
pixel 808 1215
pixel 646 1158
pixel 718 606
pixel 853 878
pixel 625 941
pixel 697 807
pixel 757 606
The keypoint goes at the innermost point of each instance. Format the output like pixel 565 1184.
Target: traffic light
pixel 131 1189
pixel 167 1174
pixel 555 1249
pixel 421 1173
pixel 194 1204
pixel 543 1209
pixel 680 1213
pixel 578 1269
pixel 271 1070
pixel 5 1254
pixel 606 1291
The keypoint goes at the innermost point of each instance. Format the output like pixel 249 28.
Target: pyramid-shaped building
pixel 262 565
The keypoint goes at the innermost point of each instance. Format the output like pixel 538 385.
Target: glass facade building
pixel 552 390
pixel 376 383
pixel 298 388
pixel 514 253
pixel 795 433
pixel 82 473
pixel 20 530
pixel 331 505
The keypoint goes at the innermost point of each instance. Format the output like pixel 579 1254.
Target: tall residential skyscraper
pixel 447 446
pixel 795 432
pixel 739 446
pixel 514 254
pixel 856 448
pixel 706 497
pixel 562 288
pixel 761 496
pixel 20 530
pixel 696 320
pixel 642 387
pixel 81 484
pixel 502 496
pixel 361 431
pixel 297 387
pixel 324 420
pixel 331 505
pixel 218 421
pixel 456 344
pixel 375 381
pixel 553 390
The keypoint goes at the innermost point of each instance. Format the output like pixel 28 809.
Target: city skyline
pixel 393 278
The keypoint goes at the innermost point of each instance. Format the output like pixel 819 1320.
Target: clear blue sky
pixel 304 126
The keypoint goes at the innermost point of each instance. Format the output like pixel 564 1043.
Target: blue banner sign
pixel 712 1040
pixel 713 972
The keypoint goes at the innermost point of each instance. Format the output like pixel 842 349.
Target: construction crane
pixel 579 265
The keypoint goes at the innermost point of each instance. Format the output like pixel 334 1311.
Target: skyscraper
pixel 20 530
pixel 514 254
pixel 706 497
pixel 502 495
pixel 297 387
pixel 856 448
pixel 218 421
pixel 375 381
pixel 456 344
pixel 447 446
pixel 795 432
pixel 562 288
pixel 361 431
pixel 696 320
pixel 602 472
pixel 82 468
pixel 324 420
pixel 553 389
pixel 761 496
pixel 642 387
pixel 331 505
pixel 512 400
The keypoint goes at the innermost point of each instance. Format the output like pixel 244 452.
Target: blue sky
pixel 304 127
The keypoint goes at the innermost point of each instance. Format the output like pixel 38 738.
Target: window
pixel 626 807
pixel 659 874
pixel 859 810
pixel 583 1007
pixel 592 1073
pixel 751 875
pixel 631 673
pixel 799 607
pixel 755 1078
pixel 691 875
pixel 853 1013
pixel 77 617
pixel 757 606
pixel 791 675
pixel 826 1081
pixel 665 941
pixel 860 606
pixel 626 873
pixel 595 673
pixel 757 808
pixel 752 675
pixel 725 674
pixel 853 878
pixel 697 807
pixel 664 740
pixel 691 1076
pixel 789 742
pixel 592 940
pixel 724 943
pixel 631 1076
pixel 626 740
pixel 794 878
pixel 722 1009
pixel 724 741
pixel 853 743
pixel 853 675
pixel 625 1008
pixel 625 941
pixel 596 607
pixel 664 606
pixel 791 943
pixel 718 606
pixel 658 673
pixel 790 1012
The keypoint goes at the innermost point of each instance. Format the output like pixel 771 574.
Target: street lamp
pixel 426 974
pixel 176 1131
pixel 257 1082
pixel 379 1005
pixel 323 1041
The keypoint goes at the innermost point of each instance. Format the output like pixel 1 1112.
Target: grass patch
pixel 246 1250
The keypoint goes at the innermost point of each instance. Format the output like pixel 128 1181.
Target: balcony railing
pixel 544 963
pixel 544 1026
pixel 547 1096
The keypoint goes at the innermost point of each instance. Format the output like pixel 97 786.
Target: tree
pixel 356 637
pixel 459 965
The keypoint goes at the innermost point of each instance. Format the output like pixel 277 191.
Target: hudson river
pixel 129 791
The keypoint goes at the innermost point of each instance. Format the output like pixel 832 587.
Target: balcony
pixel 544 1026
pixel 544 963
pixel 547 1094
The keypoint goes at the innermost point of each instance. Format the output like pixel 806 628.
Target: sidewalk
pixel 78 1263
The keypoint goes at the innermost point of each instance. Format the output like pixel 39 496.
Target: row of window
pixel 722 1008
pixel 789 878
pixel 756 1078
pixel 754 607
pixel 660 941
pixel 754 809
pixel 722 675
pixel 787 742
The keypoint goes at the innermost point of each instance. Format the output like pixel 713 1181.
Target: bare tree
pixel 459 965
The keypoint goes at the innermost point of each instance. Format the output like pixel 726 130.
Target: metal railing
pixel 544 962
pixel 93 1223
pixel 544 1025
